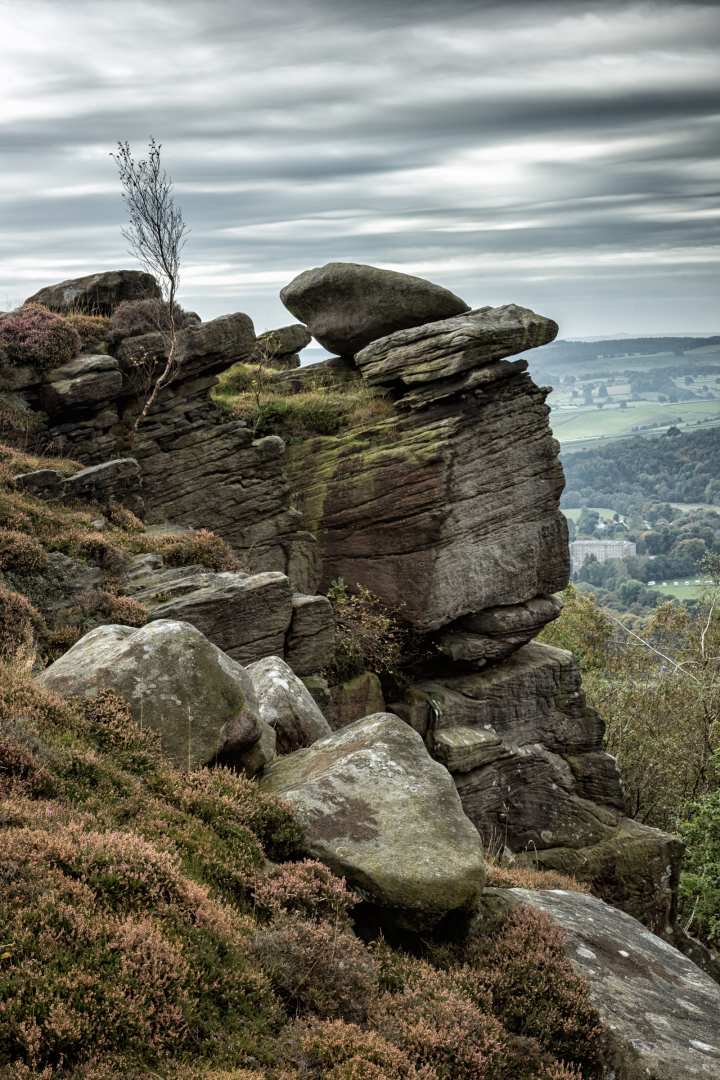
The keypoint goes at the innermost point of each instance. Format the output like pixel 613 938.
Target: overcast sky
pixel 559 155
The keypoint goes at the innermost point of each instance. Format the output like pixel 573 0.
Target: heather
pixel 161 921
pixel 33 336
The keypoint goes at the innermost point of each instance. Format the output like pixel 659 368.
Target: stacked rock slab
pixel 449 512
pixel 200 468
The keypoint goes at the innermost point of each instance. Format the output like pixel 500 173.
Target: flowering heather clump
pixel 337 1050
pixel 535 989
pixel 317 967
pixel 92 329
pixel 20 552
pixel 202 547
pixel 307 887
pixel 35 337
pixel 124 519
pixel 19 624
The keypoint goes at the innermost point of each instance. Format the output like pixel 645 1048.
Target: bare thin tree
pixel 156 234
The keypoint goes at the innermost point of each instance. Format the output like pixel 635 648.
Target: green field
pixel 581 424
pixel 606 514
pixel 683 590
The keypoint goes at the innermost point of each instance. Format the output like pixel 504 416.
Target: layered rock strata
pixel 200 468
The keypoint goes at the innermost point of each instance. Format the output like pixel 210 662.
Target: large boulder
pixel 660 1011
pixel 98 294
pixel 286 705
pixel 377 809
pixel 200 701
pixel 348 305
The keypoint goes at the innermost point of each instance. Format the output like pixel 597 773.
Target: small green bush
pixel 34 336
pixel 700 878
pixel 368 636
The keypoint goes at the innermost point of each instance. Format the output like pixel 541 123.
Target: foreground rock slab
pixel 662 1012
pixel 376 808
pixel 202 703
pixel 98 294
pixel 348 305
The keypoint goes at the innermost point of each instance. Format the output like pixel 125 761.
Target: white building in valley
pixel 581 550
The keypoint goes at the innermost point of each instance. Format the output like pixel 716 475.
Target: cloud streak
pixel 561 155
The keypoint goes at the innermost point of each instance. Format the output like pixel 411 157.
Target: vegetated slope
pixel 674 467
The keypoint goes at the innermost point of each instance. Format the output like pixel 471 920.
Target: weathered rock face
pixel 286 705
pixel 311 637
pixel 348 305
pixel 97 294
pixel 527 756
pixel 445 511
pixel 376 808
pixel 175 681
pixel 351 700
pixel 660 1010
pixel 117 481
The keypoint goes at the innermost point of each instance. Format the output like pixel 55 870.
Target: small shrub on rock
pixel 317 967
pixel 202 547
pixel 368 636
pixel 21 553
pixel 91 329
pixel 35 337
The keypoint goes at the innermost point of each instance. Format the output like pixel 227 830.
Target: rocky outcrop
pixel 377 809
pixel 176 682
pixel 286 705
pixel 355 698
pixel 451 508
pixel 311 637
pixel 659 1010
pixel 200 467
pixel 97 294
pixel 527 755
pixel 348 305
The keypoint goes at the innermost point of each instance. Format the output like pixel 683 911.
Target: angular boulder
pixel 348 305
pixel 200 701
pixel 98 294
pixel 357 697
pixel 246 615
pixel 377 809
pixel 286 705
pixel 311 638
pixel 660 1011
pixel 281 347
pixel 82 383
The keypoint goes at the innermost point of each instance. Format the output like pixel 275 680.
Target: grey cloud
pixel 515 152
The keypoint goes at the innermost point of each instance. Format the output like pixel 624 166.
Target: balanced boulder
pixel 98 294
pixel 348 305
pixel 286 705
pixel 377 809
pixel 202 703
